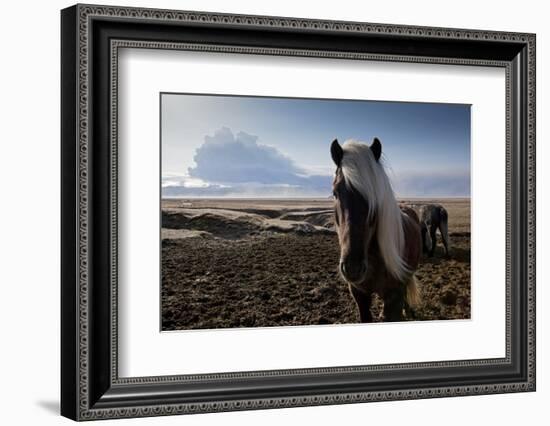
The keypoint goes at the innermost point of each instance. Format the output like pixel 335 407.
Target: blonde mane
pixel 367 176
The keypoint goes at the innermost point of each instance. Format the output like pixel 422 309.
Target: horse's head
pixel 354 213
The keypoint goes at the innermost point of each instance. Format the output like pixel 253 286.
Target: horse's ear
pixel 376 148
pixel 336 152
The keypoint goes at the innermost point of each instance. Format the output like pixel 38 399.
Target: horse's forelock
pixel 358 169
pixel 363 173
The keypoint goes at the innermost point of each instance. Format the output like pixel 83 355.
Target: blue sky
pixel 230 146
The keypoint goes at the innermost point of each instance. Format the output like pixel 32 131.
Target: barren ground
pixel 260 263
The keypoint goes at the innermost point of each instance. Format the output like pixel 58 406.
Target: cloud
pixel 173 180
pixel 238 158
pixel 238 165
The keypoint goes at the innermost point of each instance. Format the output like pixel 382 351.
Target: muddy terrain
pixel 260 263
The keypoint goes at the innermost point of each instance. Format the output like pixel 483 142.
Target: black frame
pixel 90 387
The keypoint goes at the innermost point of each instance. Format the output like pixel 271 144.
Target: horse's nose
pixel 353 270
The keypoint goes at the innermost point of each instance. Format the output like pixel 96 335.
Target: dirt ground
pixel 256 263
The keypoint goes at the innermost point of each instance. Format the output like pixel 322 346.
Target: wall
pixel 29 225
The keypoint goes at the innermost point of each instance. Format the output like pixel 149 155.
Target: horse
pixel 433 217
pixel 380 244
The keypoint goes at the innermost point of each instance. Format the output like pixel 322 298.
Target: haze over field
pixel 228 146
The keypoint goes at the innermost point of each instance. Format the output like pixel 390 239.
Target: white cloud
pixel 226 157
pixel 238 165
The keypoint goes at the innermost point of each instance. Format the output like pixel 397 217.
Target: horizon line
pixel 328 198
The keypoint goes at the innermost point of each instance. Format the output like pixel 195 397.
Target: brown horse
pixel 380 243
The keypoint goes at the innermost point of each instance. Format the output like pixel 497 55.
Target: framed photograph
pixel 263 212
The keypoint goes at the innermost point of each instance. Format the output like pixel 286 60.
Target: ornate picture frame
pixel 91 37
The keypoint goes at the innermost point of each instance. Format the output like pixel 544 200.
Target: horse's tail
pixel 443 214
pixel 412 294
pixel 444 228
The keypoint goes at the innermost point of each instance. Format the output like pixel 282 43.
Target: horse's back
pixel 433 214
pixel 409 211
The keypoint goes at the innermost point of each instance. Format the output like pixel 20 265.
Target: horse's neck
pixel 373 249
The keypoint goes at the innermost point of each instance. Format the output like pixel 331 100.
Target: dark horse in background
pixel 380 243
pixel 433 217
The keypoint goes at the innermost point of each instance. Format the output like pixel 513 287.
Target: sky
pixel 236 146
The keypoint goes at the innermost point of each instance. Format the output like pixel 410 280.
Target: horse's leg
pixel 410 312
pixel 394 303
pixel 433 228
pixel 426 243
pixel 363 301
pixel 443 228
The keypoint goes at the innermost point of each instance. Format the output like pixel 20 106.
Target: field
pixel 260 263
